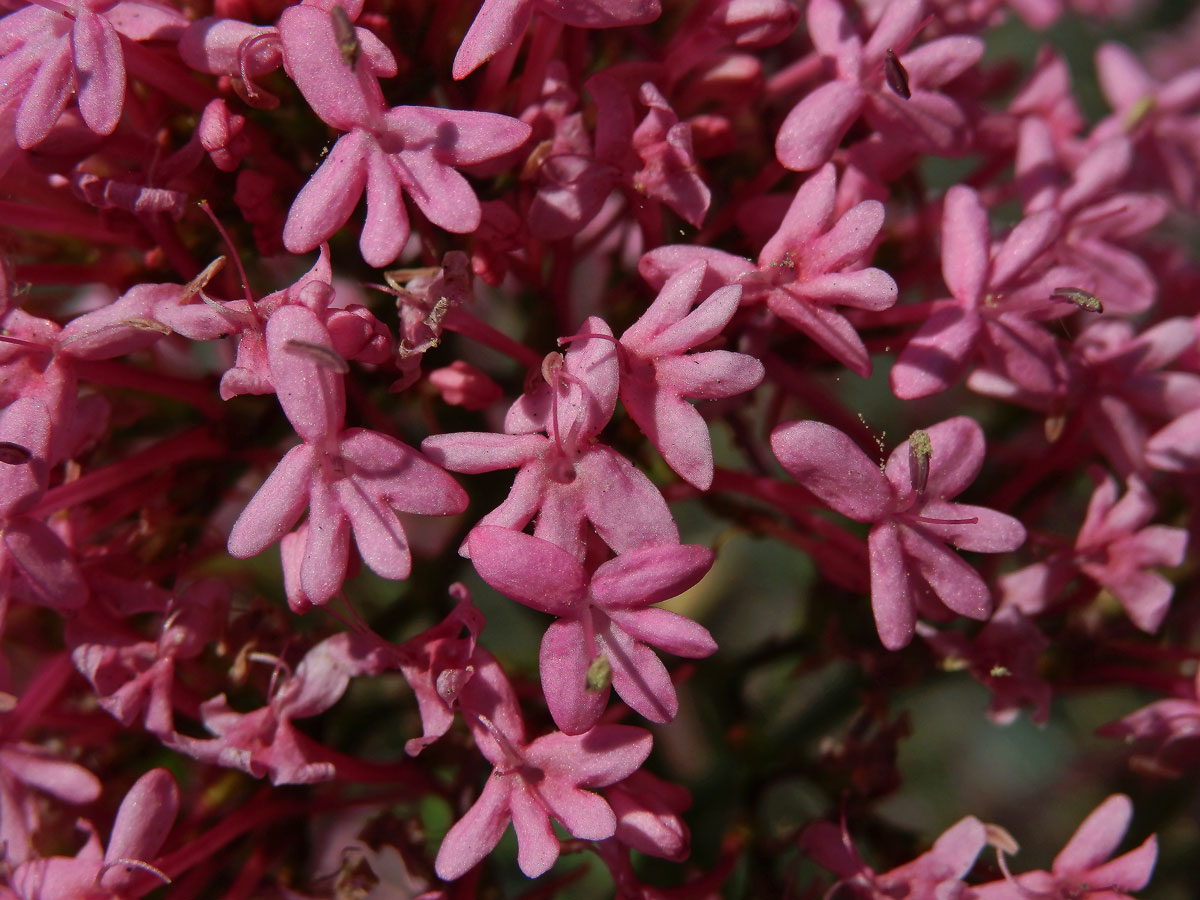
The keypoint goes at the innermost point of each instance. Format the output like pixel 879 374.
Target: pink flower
pixel 1165 735
pixel 1116 547
pixel 532 783
pixel 658 374
pixel 350 480
pixel 924 120
pixel 1082 868
pixel 54 51
pixel 811 265
pixel 566 479
pixel 604 622
pixel 908 506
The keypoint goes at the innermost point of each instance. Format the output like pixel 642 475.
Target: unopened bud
pixel 461 384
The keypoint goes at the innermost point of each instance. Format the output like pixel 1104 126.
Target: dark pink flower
pixel 908 504
pixel 532 783
pixel 1165 736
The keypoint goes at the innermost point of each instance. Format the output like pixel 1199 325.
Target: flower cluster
pixel 683 267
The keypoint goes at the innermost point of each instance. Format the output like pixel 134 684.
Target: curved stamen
pixel 136 864
pixel 930 520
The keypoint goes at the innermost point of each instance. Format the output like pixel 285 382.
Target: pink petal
pixel 955 583
pixel 668 631
pixel 474 452
pixel 563 664
pixel 675 298
pixel 499 24
pixel 309 387
pixel 390 470
pixel 807 217
pixel 529 570
pixel 817 124
pixel 605 755
pixel 458 136
pixel 1097 837
pixel 895 28
pixel 1131 870
pixel 585 815
pixel 537 846
pixel 848 240
pixel 47 96
pixel 1031 237
pixel 99 71
pixel 623 505
pixel 994 532
pixel 660 264
pixel 345 94
pixel 965 244
pixel 604 13
pixel 327 546
pixel 701 325
pixel 638 675
pixel 650 575
pixel 385 230
pixel 891 594
pixel 937 355
pixel 711 375
pixel 477 833
pixel 142 825
pixel 958 450
pixel 378 534
pixel 327 200
pixel 442 194
pixel 274 509
pixel 48 567
pixel 832 466
pixel 675 429
pixel 1122 77
pixel 872 289
pixel 826 326
pixel 941 60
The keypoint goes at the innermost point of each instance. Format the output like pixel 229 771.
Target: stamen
pixel 920 448
pixel 237 261
pixel 896 76
pixel 200 282
pixel 599 674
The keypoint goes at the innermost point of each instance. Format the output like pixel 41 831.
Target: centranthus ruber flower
pixel 908 504
pixel 349 479
pixel 909 111
pixel 658 373
pixel 1116 548
pixel 1082 870
pixel 55 50
pixel 811 265
pixel 567 480
pixel 124 869
pixel 604 622
pixel 1165 735
pixel 532 783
